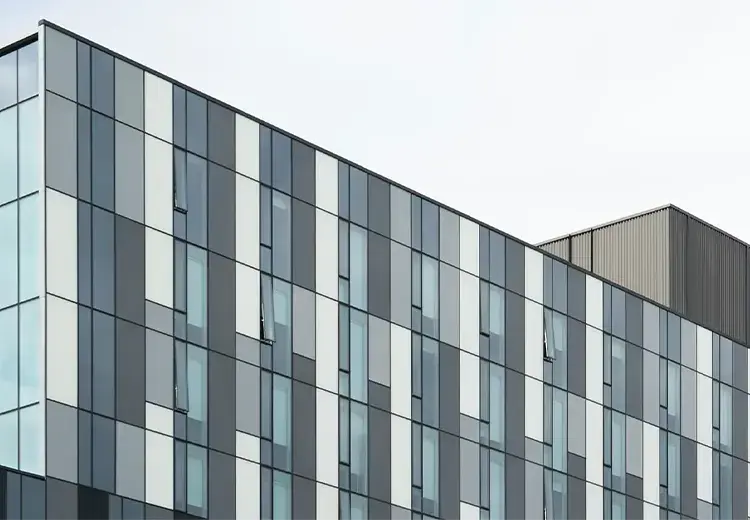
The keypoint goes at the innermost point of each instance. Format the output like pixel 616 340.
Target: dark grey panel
pixel 84 358
pixel 515 332
pixel 221 136
pixel 102 161
pixel 688 480
pixel 633 486
pixel 577 499
pixel 634 509
pixel 379 439
pixel 739 424
pixel 103 453
pixel 379 206
pixel 102 82
pixel 303 429
pixel 450 385
pixel 221 307
pixel 576 466
pixel 84 154
pixel 221 485
pixel 739 489
pixel 634 319
pixel 515 262
pixel 179 116
pixel 103 260
pixel 515 413
pixel 303 369
pixel 678 270
pixel 84 448
pixel 62 500
pixel 132 510
pixel 378 276
pixel 221 211
pixel 131 373
pixel 450 461
pixel 515 487
pixel 303 172
pixel 634 381
pixel 739 367
pixel 576 357
pixel 196 115
pixel 130 266
pixel 84 254
pixel 60 145
pixel 103 358
pixel 379 396
pixel 32 497
pixel 377 510
pixel 158 513
pixel 303 498
pixel 221 402
pixel 84 74
pixel 303 244
pixel 577 294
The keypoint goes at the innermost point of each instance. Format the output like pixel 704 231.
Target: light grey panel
pixel 248 398
pixel 576 425
pixel 303 326
pixel 129 94
pixel 688 403
pixel 129 195
pixel 634 447
pixel 61 167
pixel 159 368
pixel 650 387
pixel 379 354
pixel 60 63
pixel 400 285
pixel 534 491
pixel 131 466
pixel 469 475
pixel 62 442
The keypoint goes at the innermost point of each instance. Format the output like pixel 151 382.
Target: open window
pixel 181 403
pixel 548 337
pixel 266 310
pixel 180 181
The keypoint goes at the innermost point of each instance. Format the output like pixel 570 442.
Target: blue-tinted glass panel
pixel 618 374
pixel 430 471
pixel 197 193
pixel 358 356
pixel 673 396
pixel 9 434
pixel 725 418
pixel 197 267
pixel 282 422
pixel 497 406
pixel 430 229
pixel 560 366
pixel 282 162
pixel 197 375
pixel 282 315
pixel 197 124
pixel 618 451
pixel 344 430
pixel 559 429
pixel 430 382
pixel 29 353
pixel 31 436
pixel 28 71
pixel 29 265
pixel 673 471
pixel 430 301
pixel 29 150
pixel 359 445
pixel 282 236
pixel 497 485
pixel 8 80
pixel 196 480
pixel 358 196
pixel 8 254
pixel 8 359
pixel 282 496
pixel 358 267
pixel 8 154
pixel 497 324
pixel 725 486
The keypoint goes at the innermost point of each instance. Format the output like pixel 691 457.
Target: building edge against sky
pixel 680 450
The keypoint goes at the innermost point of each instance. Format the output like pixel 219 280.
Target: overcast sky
pixel 539 117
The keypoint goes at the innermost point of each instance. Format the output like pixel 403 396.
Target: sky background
pixel 539 117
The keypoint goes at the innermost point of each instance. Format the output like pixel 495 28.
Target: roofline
pixel 23 42
pixel 336 156
pixel 643 214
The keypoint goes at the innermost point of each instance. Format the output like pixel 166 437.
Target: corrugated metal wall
pixel 559 248
pixel 635 253
pixel 581 250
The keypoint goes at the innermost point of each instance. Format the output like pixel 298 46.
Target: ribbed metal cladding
pixel 581 250
pixel 635 253
pixel 559 248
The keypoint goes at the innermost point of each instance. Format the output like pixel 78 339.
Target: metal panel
pixel 715 289
pixel 677 260
pixel 635 253
pixel 581 250
pixel 559 247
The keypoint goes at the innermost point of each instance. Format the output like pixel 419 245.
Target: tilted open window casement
pixel 266 310
pixel 548 337
pixel 181 402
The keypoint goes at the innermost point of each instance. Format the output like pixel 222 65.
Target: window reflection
pixel 497 324
pixel 197 423
pixel 9 434
pixel 281 248
pixel 618 451
pixel 497 406
pixel 28 71
pixel 8 154
pixel 497 485
pixel 8 359
pixel 8 85
pixel 430 471
pixel 618 374
pixel 196 480
pixel 282 315
pixel 559 430
pixel 673 396
pixel 430 304
pixel 28 147
pixel 282 496
pixel 359 454
pixel 358 267
pixel 31 453
pixel 28 238
pixel 197 187
pixel 358 355
pixel 282 422
pixel 29 353
pixel 430 382
pixel 725 418
pixel 196 294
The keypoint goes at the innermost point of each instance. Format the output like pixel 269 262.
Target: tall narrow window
pixel 497 406
pixel 267 319
pixel 8 359
pixel 673 396
pixel 618 451
pixel 358 356
pixel 547 497
pixel 559 429
pixel 359 452
pixel 430 382
pixel 725 485
pixel 180 377
pixel 29 353
pixel 196 294
pixel 358 267
pixel 725 418
pixel 673 471
pixel 497 324
pixel 548 336
pixel 197 423
pixel 196 480
pixel 282 495
pixel 281 248
pixel 497 485
pixel 282 315
pixel 282 422
pixel 344 431
pixel 618 374
pixel 430 305
pixel 560 367
pixel 430 471
pixel 197 200
pixel 180 181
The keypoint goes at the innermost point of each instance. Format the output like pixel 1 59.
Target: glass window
pixel 673 471
pixel 673 337
pixel 282 314
pixel 358 267
pixel 282 422
pixel 618 374
pixel 28 71
pixel 358 196
pixel 496 258
pixel 559 286
pixel 618 506
pixel 281 247
pixel 180 180
pixel 267 319
pixel 102 82
pixel 8 154
pixel 725 360
pixel 281 162
pixel 497 406
pixel 29 247
pixel 282 495
pixel 560 367
pixel 28 147
pixel 497 324
pixel 416 222
pixel 8 79
pixel 618 313
pixel 559 430
pixel 430 301
pixel 197 424
pixel 197 123
pixel 725 485
pixel 196 480
pixel 430 471
pixel 673 396
pixel 651 327
pixel 359 508
pixel 197 189
pixel 618 451
pixel 180 376
pixel 359 452
pixel 8 254
pixel 430 382
pixel 9 434
pixel 449 239
pixel 400 215
pixel 430 229
pixel 196 294
pixel 725 418
pixel 29 353
pixel 559 495
pixel 344 430
pixel 343 190
pixel 31 452
pixel 497 485
pixel 358 355
pixel 8 359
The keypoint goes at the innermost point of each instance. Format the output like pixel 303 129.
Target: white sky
pixel 538 117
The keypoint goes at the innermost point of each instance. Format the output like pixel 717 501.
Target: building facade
pixel 202 316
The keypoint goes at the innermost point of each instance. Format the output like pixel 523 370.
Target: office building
pixel 203 316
